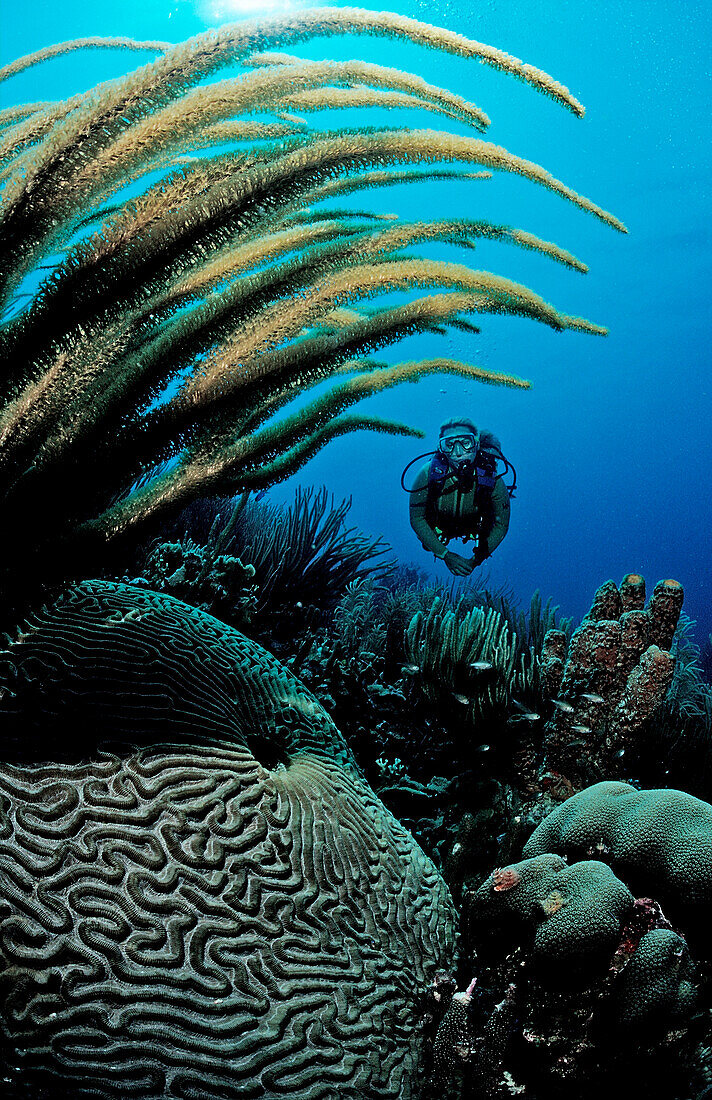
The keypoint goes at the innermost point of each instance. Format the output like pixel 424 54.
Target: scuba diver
pixel 460 494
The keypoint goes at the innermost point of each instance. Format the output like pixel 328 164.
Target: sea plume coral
pixel 180 318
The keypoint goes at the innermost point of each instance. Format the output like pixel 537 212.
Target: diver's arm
pixel 500 506
pixel 418 501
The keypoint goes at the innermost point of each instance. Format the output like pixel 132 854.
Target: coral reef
pixel 271 570
pixel 597 974
pixel 657 986
pixel 573 915
pixel 220 584
pixel 610 680
pixel 470 655
pixel 121 397
pixel 661 840
pixel 199 894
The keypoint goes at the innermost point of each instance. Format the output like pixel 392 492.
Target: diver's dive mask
pixel 461 451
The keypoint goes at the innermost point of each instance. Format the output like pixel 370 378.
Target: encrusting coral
pixel 175 326
pixel 597 976
pixel 275 568
pixel 199 894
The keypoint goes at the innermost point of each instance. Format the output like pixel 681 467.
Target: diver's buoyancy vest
pixel 484 481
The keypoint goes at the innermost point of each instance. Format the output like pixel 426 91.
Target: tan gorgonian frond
pixel 258 90
pixel 201 478
pixel 255 447
pixel 380 77
pixel 227 132
pixel 255 252
pixel 200 469
pixel 188 63
pixel 334 99
pixel 306 216
pixel 106 110
pixel 10 115
pixel 181 150
pixel 29 132
pixel 536 244
pixel 53 401
pixel 283 321
pixel 347 153
pixel 463 230
pixel 338 318
pixel 271 57
pixel 206 51
pixel 295 459
pixel 277 400
pixel 326 350
pixel 60 48
pixel 331 189
pixel 290 117
pixel 261 250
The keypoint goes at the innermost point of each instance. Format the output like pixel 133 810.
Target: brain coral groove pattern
pixel 223 908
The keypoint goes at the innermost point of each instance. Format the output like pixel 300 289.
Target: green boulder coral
pixel 657 984
pixel 574 915
pixel 659 840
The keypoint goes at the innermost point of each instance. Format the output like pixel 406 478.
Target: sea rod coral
pixel 163 328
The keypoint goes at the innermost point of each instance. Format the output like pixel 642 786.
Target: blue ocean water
pixel 612 444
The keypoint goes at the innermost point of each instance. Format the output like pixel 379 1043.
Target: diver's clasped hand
pixel 458 565
pixel 462 567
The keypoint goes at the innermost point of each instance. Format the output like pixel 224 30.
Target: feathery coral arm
pixel 205 465
pixel 259 90
pixel 193 206
pixel 11 115
pixel 256 448
pixel 208 51
pixel 59 48
pixel 288 464
pixel 283 320
pixel 282 397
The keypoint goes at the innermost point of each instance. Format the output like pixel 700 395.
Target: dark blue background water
pixel 613 442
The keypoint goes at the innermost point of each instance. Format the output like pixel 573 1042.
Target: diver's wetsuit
pixel 455 514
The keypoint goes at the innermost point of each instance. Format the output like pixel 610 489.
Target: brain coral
pixel 199 894
pixel 660 840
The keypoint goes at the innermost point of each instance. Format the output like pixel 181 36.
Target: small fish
pixel 411 670
pixel 527 716
pixel 580 729
pixel 481 666
pixel 563 705
pixel 464 699
pixel 482 748
pixel 591 698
